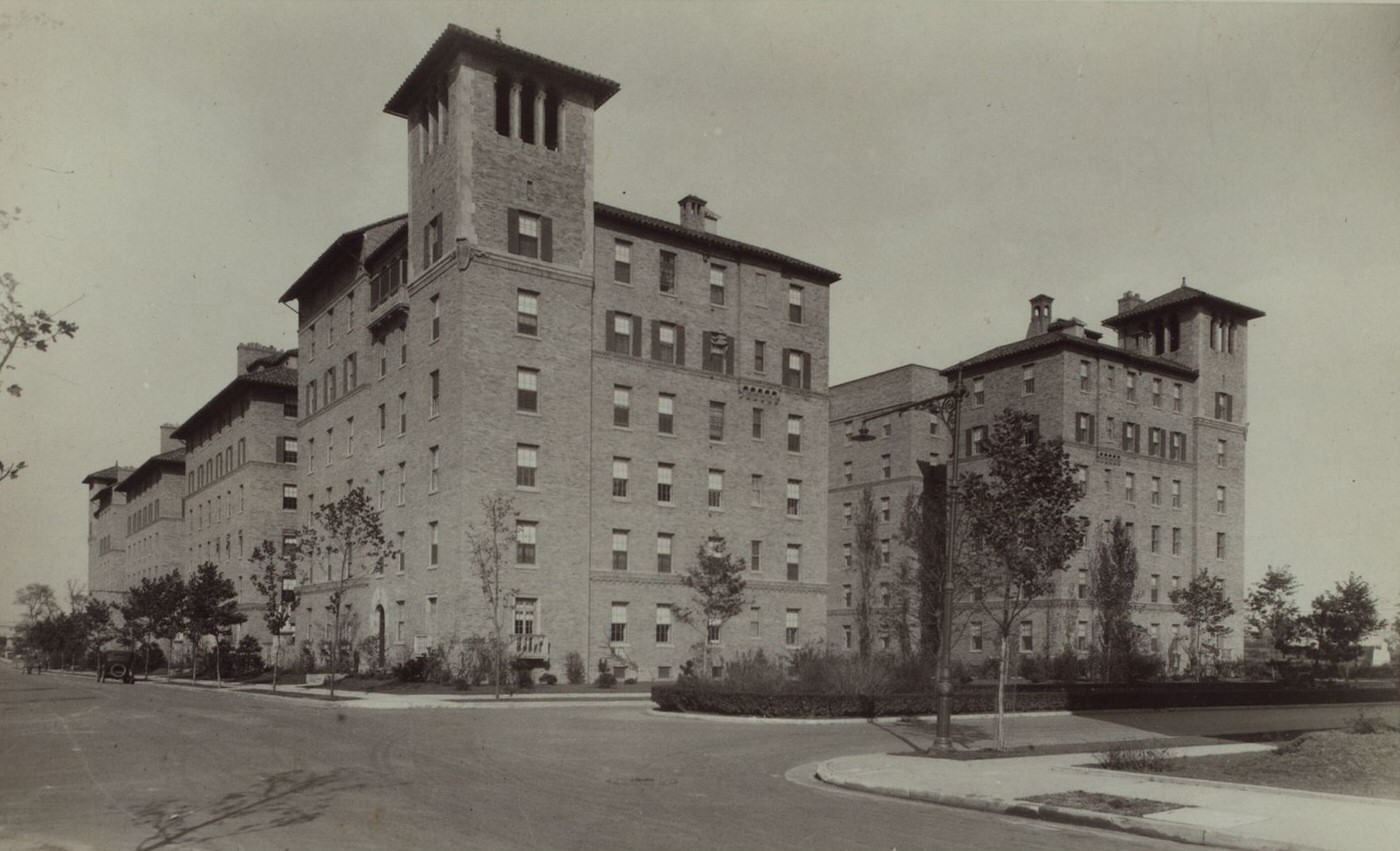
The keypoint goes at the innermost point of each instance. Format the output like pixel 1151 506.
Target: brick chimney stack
pixel 248 353
pixel 168 443
pixel 1040 316
pixel 696 216
pixel 1129 301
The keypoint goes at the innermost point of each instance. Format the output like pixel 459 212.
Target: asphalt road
pixel 152 766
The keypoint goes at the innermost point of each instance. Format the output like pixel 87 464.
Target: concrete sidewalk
pixel 1200 812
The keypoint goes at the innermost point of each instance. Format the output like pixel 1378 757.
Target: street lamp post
pixel 948 408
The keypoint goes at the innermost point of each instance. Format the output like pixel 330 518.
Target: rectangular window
pixel 1084 376
pixel 288 450
pixel 1155 445
pixel 619 549
pixel 795 303
pixel 434 391
pixel 617 628
pixel 527 390
pixel 1081 636
pixel 432 241
pixel 527 313
pixel 1177 446
pixel 526 612
pixel 619 477
pixel 383 422
pixel 1156 392
pixel 974 636
pixel 667 342
pixel 402 552
pixel 350 371
pixel 847 471
pixel 1084 428
pixel 622 261
pixel 403 413
pixel 797 369
pixel 1176 541
pixel 716 421
pixel 526 538
pixel 622 406
pixel 755 555
pixel 526 464
pixel 790 626
pixel 667 276
pixel 885 552
pixel 1081 588
pixel 1220 453
pixel 1130 386
pixel 885 509
pixel 979 392
pixel 1176 397
pixel 712 636
pixel 716 284
pixel 1154 590
pixel 433 544
pixel 665 413
pixel 624 337
pixel 1220 500
pixel 717 353
pixel 664 481
pixel 976 440
pixel 756 427
pixel 760 352
pixel 715 488
pixel 794 562
pixel 527 237
pixel 403 482
pixel 1028 379
pixel 755 489
pixel 663 623
pixel 1176 493
pixel 1156 490
pixel 1225 407
pixel 433 459
pixel 794 497
pixel 289 497
pixel 1129 487
pixel 435 329
pixel 1156 539
pixel 885 466
pixel 664 543
pixel 794 433
pixel 1027 637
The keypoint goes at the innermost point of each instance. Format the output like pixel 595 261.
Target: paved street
pixel 151 766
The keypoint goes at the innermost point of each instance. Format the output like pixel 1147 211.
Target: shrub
pixel 1134 758
pixel 1144 666
pixel 1365 725
pixel 961 672
pixel 411 670
pixel 606 680
pixel 548 679
pixel 825 672
pixel 573 668
pixel 754 671
pixel 1034 667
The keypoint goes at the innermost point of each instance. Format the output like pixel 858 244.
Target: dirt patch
pixel 1329 761
pixel 1099 802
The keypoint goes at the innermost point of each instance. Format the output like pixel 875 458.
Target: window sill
pixel 523 335
pixel 528 566
pixel 528 413
pixel 528 488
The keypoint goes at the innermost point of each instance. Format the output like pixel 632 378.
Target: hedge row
pixel 1019 698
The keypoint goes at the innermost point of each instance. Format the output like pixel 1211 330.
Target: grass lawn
pixel 392 686
pixel 1101 803
pixel 1366 764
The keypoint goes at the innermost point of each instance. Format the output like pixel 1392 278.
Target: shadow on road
pixel 919 735
pixel 279 800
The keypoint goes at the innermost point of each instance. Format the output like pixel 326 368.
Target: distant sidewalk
pixel 1199 812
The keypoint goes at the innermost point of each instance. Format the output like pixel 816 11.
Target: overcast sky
pixel 178 165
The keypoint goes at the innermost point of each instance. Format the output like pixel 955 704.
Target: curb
pixel 1225 784
pixel 884 719
pixel 1067 815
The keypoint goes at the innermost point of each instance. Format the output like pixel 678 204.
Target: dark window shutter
pixel 680 345
pixel 729 356
pixel 806 371
pixel 1092 426
pixel 546 239
pixel 968 449
pixel 637 336
pixel 513 231
pixel 609 345
pixel 656 339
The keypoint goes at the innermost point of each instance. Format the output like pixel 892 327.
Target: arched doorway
pixel 379 619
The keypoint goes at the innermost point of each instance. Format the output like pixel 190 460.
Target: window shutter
pixel 680 345
pixel 547 241
pixel 1093 423
pixel 609 344
pixel 806 371
pixel 968 449
pixel 513 231
pixel 656 339
pixel 729 356
pixel 637 336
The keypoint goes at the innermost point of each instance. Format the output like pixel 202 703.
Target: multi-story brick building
pixel 155 527
pixel 240 472
pixel 633 385
pixel 1154 426
pixel 107 531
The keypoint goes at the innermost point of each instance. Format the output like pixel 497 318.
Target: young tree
pixel 1272 613
pixel 345 539
pixel 719 591
pixel 164 603
pixel 38 601
pixel 1019 527
pixel 865 563
pixel 1341 618
pixel 1113 573
pixel 1204 607
pixel 141 611
pixel 274 578
pixel 491 545
pixel 20 330
pixel 211 608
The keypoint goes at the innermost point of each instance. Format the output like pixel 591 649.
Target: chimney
pixel 1129 301
pixel 249 353
pixel 1040 316
pixel 168 443
pixel 696 216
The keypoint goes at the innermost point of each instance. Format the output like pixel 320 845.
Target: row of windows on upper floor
pixel 717 349
pixel 977 396
pixel 228 415
pixel 143 517
pixel 232 458
pixel 222 506
pixel 1025 638
pixel 719 275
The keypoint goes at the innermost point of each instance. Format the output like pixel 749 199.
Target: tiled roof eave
pixel 281 376
pixel 1015 351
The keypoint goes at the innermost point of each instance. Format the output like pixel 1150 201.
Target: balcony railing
pixel 533 646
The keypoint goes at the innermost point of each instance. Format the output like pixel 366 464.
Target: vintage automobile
pixel 116 665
